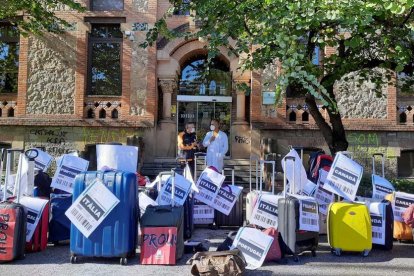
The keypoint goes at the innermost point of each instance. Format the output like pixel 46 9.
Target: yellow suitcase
pixel 349 228
pixel 401 230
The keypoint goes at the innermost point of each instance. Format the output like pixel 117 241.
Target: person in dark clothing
pixel 187 145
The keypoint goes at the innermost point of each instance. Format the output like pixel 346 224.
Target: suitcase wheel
pixel 365 253
pixel 337 251
pixel 73 259
pixel 123 261
pixel 295 258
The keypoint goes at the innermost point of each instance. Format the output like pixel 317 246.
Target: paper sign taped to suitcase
pixel 35 208
pixel 182 188
pixel 203 214
pixel 308 214
pixel 377 222
pixel 323 196
pixel 401 202
pixel 265 211
pixel 381 187
pixel 344 177
pixel 159 245
pixel 254 245
pixel 43 160
pixel 144 202
pixel 309 188
pixel 226 198
pixel 209 184
pixel 65 174
pixel 91 207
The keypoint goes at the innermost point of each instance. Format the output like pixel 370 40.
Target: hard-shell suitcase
pixel 402 232
pixel 294 241
pixel 386 222
pixel 188 208
pixel 13 218
pixel 166 216
pixel 116 236
pixel 59 224
pixel 253 195
pixel 39 238
pixel 235 218
pixel 349 228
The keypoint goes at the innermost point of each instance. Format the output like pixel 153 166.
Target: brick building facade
pixel 64 102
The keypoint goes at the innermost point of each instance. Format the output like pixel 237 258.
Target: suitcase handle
pixel 31 154
pixel 18 175
pixel 162 209
pixel 382 163
pixel 3 151
pixel 286 158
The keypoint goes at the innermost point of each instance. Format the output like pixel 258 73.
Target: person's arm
pixel 224 147
pixel 206 141
pixel 180 142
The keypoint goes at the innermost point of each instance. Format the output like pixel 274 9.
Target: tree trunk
pixel 334 133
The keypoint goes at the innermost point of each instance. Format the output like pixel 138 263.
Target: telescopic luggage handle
pixel 18 175
pixel 3 152
pixel 31 155
pixel 160 179
pixel 382 163
pixel 292 186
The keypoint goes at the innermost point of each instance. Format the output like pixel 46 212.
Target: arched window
pixel 305 116
pixel 10 112
pixel 292 116
pixel 114 114
pixel 90 114
pixel 403 118
pixel 102 114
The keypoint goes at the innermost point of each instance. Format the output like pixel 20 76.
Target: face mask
pixel 212 127
pixel 193 130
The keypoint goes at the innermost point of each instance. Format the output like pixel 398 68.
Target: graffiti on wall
pixel 242 139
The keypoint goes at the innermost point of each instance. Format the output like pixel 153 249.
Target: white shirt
pixel 216 150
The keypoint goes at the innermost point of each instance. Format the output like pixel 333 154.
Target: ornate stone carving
pixel 168 86
pixel 140 5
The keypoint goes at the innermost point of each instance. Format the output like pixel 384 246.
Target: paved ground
pixel 55 261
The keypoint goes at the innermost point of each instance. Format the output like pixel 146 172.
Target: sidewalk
pixel 55 261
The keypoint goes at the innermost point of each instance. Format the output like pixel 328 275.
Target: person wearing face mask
pixel 217 145
pixel 187 144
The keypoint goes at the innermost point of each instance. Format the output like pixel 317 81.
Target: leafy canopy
pixel 38 15
pixel 364 33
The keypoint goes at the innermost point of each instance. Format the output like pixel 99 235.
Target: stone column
pixel 168 86
pixel 240 104
pixel 240 138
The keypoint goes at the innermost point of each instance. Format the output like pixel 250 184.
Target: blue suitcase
pixel 59 224
pixel 116 236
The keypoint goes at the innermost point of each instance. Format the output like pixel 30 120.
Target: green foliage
pixel 34 16
pixel 403 185
pixel 366 33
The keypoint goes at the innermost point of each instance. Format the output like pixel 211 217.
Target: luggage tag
pixel 65 174
pixel 181 190
pixel 400 203
pixel 323 197
pixel 208 184
pixel 308 213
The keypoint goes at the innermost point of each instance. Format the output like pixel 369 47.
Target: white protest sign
pixel 322 196
pixel 144 202
pixel 34 206
pixel 265 211
pixel 381 187
pixel 376 210
pixel 189 177
pixel 226 198
pixel 209 184
pixel 309 188
pixel 254 246
pixel 117 157
pixel 300 172
pixel 43 160
pixel 344 177
pixel 65 175
pixel 202 213
pixel 182 188
pixel 91 207
pixel 401 202
pixel 163 178
pixel 308 214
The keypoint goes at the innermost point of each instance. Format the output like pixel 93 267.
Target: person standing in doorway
pixel 187 145
pixel 217 145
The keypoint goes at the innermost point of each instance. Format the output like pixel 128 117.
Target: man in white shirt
pixel 217 145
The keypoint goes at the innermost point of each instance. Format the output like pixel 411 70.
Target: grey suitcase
pixel 167 216
pixel 293 240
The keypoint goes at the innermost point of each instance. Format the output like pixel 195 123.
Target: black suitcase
pixel 235 218
pixel 294 241
pixel 166 216
pixel 389 227
pixel 13 217
pixel 188 204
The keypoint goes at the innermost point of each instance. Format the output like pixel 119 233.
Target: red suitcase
pixel 13 216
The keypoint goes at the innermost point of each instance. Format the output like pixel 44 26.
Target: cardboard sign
pixel 323 197
pixel 401 202
pixel 265 211
pixel 65 175
pixel 91 207
pixel 7 226
pixel 182 188
pixel 159 245
pixel 226 198
pixel 117 157
pixel 202 213
pixel 300 173
pixel 308 214
pixel 35 208
pixel 254 245
pixel 381 187
pixel 144 202
pixel 309 188
pixel 344 177
pixel 209 184
pixel 43 160
pixel 376 211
